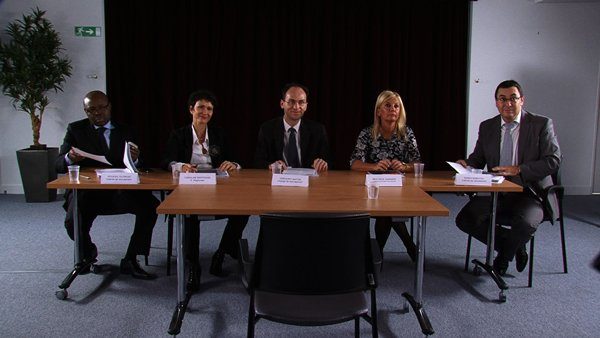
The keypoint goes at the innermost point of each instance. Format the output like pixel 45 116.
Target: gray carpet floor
pixel 36 255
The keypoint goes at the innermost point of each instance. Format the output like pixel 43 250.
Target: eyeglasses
pixel 389 106
pixel 291 103
pixel 512 99
pixel 93 110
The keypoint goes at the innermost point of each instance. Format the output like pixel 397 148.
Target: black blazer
pixel 269 148
pixel 179 146
pixel 83 135
pixel 538 154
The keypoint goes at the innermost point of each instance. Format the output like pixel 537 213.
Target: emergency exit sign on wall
pixel 88 31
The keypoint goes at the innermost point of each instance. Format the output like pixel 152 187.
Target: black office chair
pixel 312 270
pixel 560 191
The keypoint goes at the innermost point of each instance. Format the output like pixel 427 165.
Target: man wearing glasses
pixel 98 135
pixel 291 141
pixel 523 147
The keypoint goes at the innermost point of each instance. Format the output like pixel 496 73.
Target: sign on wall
pixel 88 31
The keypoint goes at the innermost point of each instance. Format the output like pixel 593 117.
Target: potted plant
pixel 30 66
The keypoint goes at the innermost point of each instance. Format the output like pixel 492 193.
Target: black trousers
pixel 519 211
pixel 229 240
pixel 92 203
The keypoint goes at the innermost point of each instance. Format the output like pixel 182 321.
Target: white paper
pixel 127 160
pixel 473 179
pixel 458 167
pixel 300 171
pixel 115 177
pixel 98 158
pixel 496 179
pixel 287 180
pixel 198 178
pixel 385 180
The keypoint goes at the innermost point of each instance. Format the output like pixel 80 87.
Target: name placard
pixel 119 178
pixel 385 180
pixel 289 180
pixel 473 179
pixel 198 178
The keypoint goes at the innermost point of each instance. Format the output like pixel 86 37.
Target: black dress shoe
pixel 193 282
pixel 500 265
pixel 91 253
pixel 521 258
pixel 133 268
pixel 216 264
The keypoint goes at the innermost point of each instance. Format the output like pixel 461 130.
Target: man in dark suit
pixel 309 146
pixel 523 147
pixel 99 135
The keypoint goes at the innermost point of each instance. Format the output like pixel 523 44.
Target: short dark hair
pixel 293 84
pixel 508 84
pixel 202 95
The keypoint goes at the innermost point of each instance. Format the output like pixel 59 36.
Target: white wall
pixel 87 55
pixel 553 51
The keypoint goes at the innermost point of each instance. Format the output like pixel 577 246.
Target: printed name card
pixel 198 178
pixel 384 180
pixel 473 179
pixel 119 178
pixel 290 180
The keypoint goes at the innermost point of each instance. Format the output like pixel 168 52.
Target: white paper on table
pixel 458 167
pixel 198 178
pixel 127 160
pixel 289 180
pixel 300 171
pixel 98 158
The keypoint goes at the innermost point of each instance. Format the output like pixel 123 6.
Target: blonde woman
pixel 388 144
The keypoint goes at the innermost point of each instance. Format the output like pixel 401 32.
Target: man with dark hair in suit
pixel 97 134
pixel 523 147
pixel 308 147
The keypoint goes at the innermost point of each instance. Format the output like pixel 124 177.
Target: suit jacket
pixel 179 146
pixel 269 148
pixel 538 154
pixel 82 134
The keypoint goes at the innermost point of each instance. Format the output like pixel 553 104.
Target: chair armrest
pixel 246 265
pixel 377 259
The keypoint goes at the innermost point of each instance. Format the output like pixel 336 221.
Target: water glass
pixel 373 191
pixel 74 173
pixel 419 167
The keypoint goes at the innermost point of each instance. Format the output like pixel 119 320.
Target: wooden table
pixel 155 180
pixel 442 181
pixel 249 192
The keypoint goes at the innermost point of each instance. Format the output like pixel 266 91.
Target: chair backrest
pixel 312 253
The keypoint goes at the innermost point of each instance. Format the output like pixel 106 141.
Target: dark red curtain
pixel 346 53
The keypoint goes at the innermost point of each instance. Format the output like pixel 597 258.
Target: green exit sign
pixel 88 31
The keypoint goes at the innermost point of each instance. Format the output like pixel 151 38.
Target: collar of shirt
pixel 196 140
pixel 108 126
pixel 517 119
pixel 287 127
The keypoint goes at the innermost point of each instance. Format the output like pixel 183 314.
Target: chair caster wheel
pixel 95 269
pixel 476 271
pixel 61 294
pixel 502 297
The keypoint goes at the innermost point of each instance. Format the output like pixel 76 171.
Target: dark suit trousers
pixel 520 211
pixel 229 241
pixel 92 203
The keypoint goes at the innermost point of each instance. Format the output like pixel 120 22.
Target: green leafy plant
pixel 31 65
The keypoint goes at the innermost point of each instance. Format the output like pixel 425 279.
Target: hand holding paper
pixel 98 158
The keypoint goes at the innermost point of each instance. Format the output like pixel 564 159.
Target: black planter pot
pixel 37 169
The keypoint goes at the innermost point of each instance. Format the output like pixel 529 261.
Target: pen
pixel 86 177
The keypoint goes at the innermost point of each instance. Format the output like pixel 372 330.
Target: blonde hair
pixel 400 124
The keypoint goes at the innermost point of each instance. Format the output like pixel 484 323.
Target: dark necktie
pixel 102 140
pixel 291 150
pixel 506 152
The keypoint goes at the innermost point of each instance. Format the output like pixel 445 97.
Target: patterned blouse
pixel 370 151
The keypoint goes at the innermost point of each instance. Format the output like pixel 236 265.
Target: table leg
pixel 79 265
pixel 489 258
pixel 182 297
pixel 417 302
